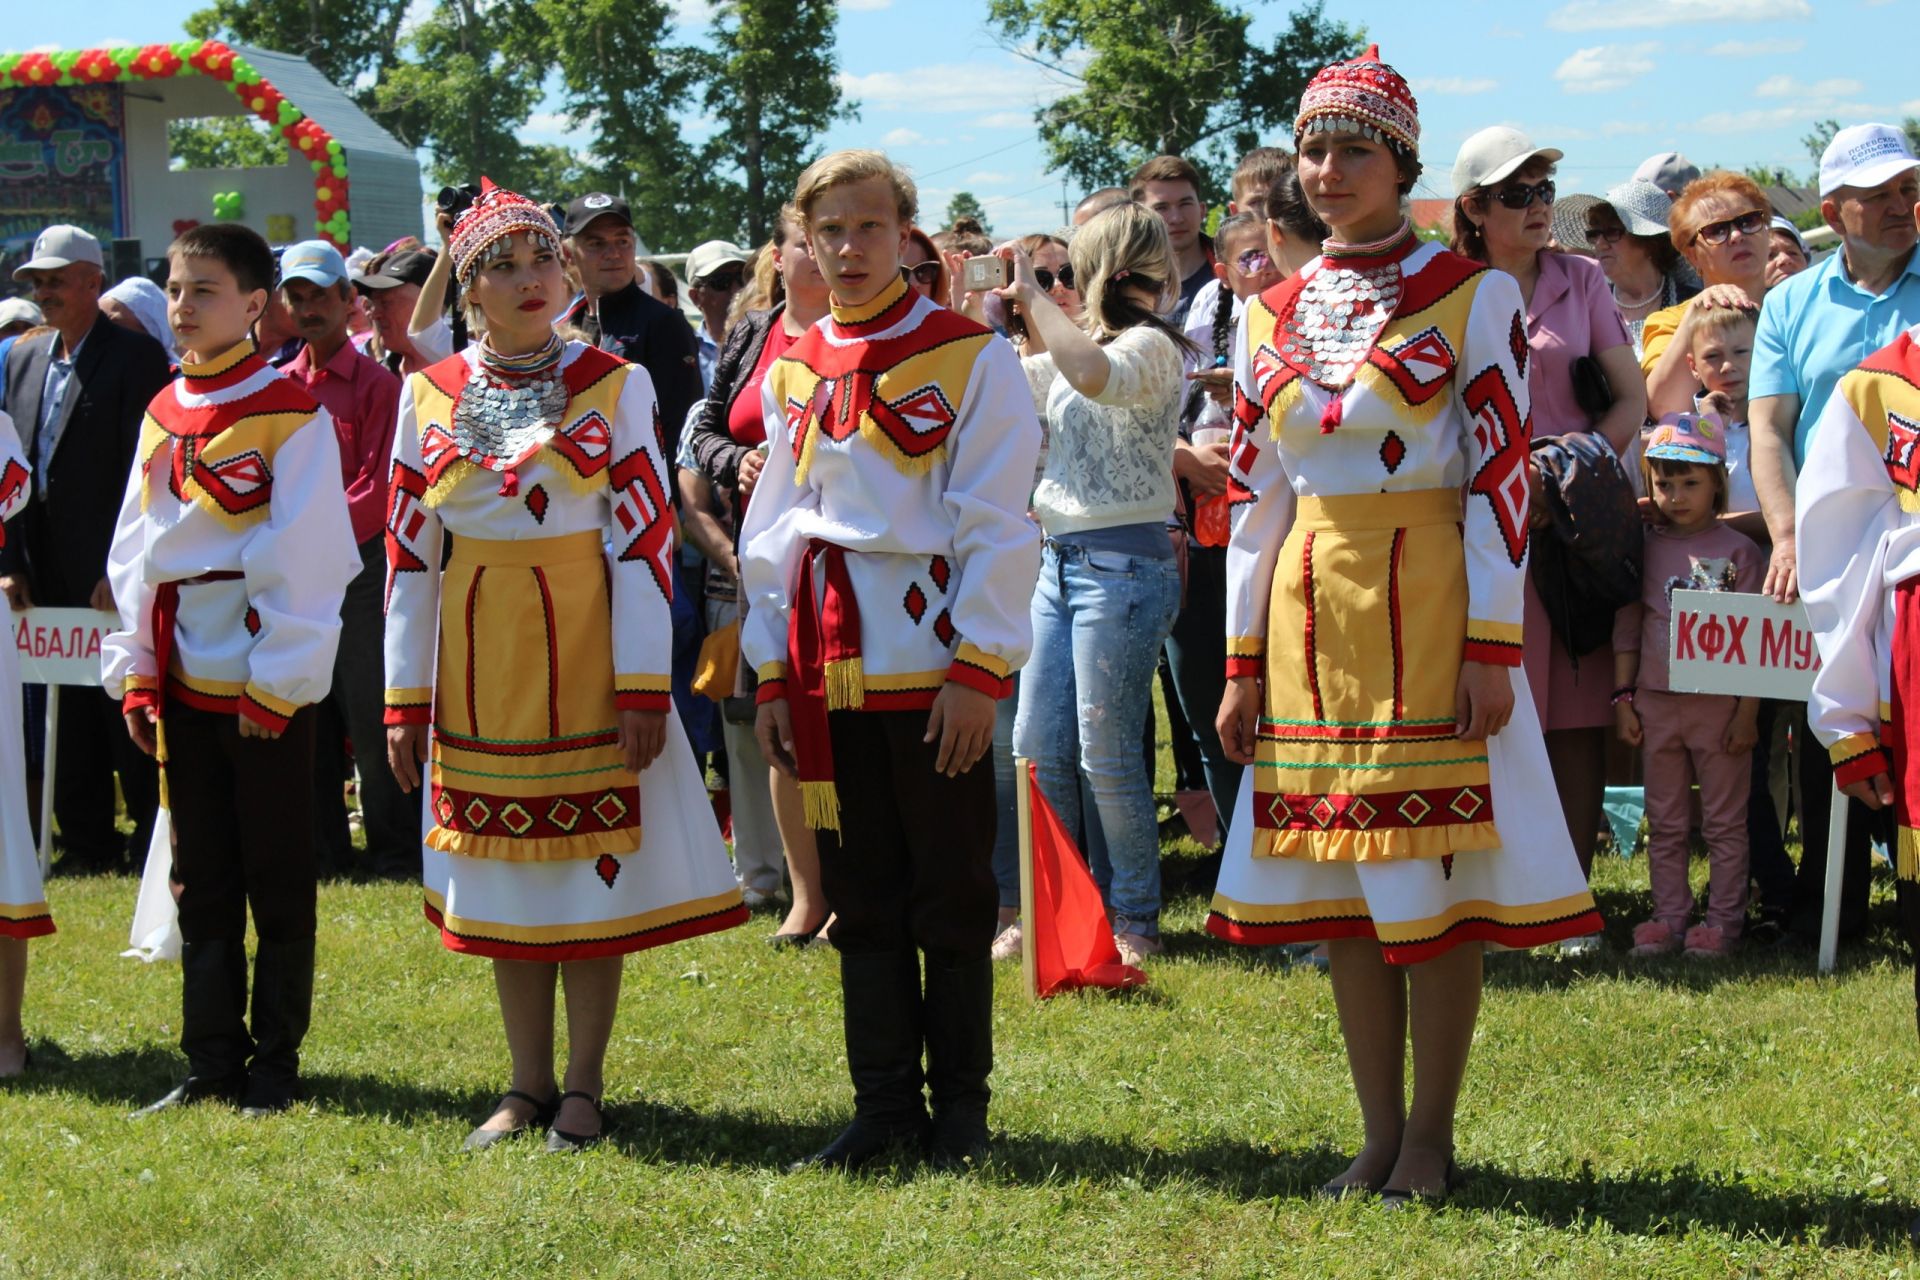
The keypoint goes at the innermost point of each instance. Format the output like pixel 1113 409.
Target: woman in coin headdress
pixel 1375 574
pixel 539 658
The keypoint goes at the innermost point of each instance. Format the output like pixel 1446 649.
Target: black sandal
pixel 543 1113
pixel 560 1141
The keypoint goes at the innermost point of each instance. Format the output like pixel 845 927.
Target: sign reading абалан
pixel 1746 645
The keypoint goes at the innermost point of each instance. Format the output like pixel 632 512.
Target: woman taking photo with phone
pixel 1109 386
pixel 1374 604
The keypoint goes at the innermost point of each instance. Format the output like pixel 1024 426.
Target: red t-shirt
pixel 744 421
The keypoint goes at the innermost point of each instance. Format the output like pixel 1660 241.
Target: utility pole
pixel 1065 217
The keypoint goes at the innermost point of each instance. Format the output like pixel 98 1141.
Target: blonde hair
pixel 840 168
pixel 1720 321
pixel 765 288
pixel 1128 241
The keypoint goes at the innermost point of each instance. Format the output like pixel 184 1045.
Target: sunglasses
pixel 1751 223
pixel 1046 277
pixel 927 273
pixel 1520 195
pixel 1252 262
pixel 722 281
pixel 1606 235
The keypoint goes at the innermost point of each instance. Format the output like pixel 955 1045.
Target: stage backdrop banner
pixel 1745 645
pixel 61 646
pixel 62 159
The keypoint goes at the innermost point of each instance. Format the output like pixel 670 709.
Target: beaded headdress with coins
pixel 1365 97
pixel 495 215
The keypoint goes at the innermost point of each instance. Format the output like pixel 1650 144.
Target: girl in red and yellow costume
pixel 1858 512
pixel 23 904
pixel 1375 575
pixel 540 659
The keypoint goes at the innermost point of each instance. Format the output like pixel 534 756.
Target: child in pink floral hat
pixel 1687 737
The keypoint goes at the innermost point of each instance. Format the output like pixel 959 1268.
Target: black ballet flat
pixel 1346 1191
pixel 559 1141
pixel 543 1113
pixel 1397 1199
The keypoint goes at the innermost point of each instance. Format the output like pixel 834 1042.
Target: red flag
pixel 1071 939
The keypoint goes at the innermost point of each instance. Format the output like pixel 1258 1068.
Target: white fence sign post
pixel 56 647
pixel 1753 647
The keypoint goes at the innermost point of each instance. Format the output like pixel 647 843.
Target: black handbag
pixel 1591 390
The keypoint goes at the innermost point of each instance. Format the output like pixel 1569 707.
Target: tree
pixel 345 40
pixel 772 106
pixel 1772 175
pixel 1177 77
pixel 1816 142
pixel 224 142
pixel 963 205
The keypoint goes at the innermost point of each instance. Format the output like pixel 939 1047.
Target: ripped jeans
pixel 1099 619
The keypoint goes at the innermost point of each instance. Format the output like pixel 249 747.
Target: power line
pixel 934 173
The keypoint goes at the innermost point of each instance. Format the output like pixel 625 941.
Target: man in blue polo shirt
pixel 1820 324
pixel 1814 328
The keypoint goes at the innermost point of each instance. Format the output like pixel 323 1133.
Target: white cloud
pixel 1755 48
pixel 1757 119
pixel 951 87
pixel 1614 15
pixel 902 138
pixel 1005 120
pixel 1451 85
pixel 1606 67
pixel 1819 91
pixel 1910 108
pixel 864 6
pixel 988 178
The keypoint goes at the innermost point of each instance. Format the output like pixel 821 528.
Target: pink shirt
pixel 1714 559
pixel 364 400
pixel 1572 315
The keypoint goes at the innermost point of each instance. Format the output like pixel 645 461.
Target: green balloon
pixel 318 166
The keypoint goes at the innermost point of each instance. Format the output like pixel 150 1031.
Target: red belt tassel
pixel 825 673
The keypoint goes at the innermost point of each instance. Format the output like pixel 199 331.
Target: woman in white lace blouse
pixel 1109 386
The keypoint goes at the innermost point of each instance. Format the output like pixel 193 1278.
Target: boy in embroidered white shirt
pixel 888 563
pixel 231 555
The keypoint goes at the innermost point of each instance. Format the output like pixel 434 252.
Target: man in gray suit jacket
pixel 77 397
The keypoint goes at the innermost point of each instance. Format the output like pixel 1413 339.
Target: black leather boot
pixel 959 1031
pixel 213 1023
pixel 282 1010
pixel 881 994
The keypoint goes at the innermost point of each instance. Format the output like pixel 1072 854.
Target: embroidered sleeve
pixel 413 575
pixel 127 667
pixel 16 480
pixel 770 550
pixel 641 529
pixel 1260 502
pixel 996 548
pixel 1496 433
pixel 297 565
pixel 1845 508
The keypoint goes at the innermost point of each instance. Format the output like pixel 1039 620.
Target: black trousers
pixel 354 710
pixel 242 827
pixel 94 746
pixel 912 863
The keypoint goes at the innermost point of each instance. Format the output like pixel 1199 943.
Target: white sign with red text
pixel 1745 645
pixel 61 646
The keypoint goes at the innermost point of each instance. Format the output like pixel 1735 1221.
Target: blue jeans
pixel 1099 619
pixel 1006 840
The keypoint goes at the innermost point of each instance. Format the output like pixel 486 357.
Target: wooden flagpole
pixel 1023 807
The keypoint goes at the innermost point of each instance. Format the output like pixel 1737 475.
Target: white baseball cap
pixel 19 311
pixel 1865 155
pixel 61 246
pixel 1494 154
pixel 710 257
pixel 1669 171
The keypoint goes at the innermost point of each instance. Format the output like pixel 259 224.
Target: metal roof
pixel 319 97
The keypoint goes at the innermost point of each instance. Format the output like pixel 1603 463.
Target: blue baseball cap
pixel 313 260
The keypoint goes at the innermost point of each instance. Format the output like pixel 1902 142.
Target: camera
pixel 457 200
pixel 983 273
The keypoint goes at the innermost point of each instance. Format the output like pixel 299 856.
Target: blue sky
pixel 1609 82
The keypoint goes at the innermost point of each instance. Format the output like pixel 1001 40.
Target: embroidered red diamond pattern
pixel 476 813
pixel 536 501
pixel 516 819
pixel 1415 809
pixel 915 603
pixel 609 808
pixel 607 867
pixel 252 619
pixel 943 628
pixel 1466 804
pixel 1323 812
pixel 1517 342
pixel 1502 441
pixel 1280 812
pixel 1393 452
pixel 1903 434
pixel 941 573
pixel 443 809
pixel 1362 813
pixel 564 814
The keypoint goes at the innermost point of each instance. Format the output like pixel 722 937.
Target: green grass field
pixel 1671 1120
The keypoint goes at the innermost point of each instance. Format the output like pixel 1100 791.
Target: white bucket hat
pixel 1643 209
pixel 1493 155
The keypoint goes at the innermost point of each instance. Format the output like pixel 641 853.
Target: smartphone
pixel 983 273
